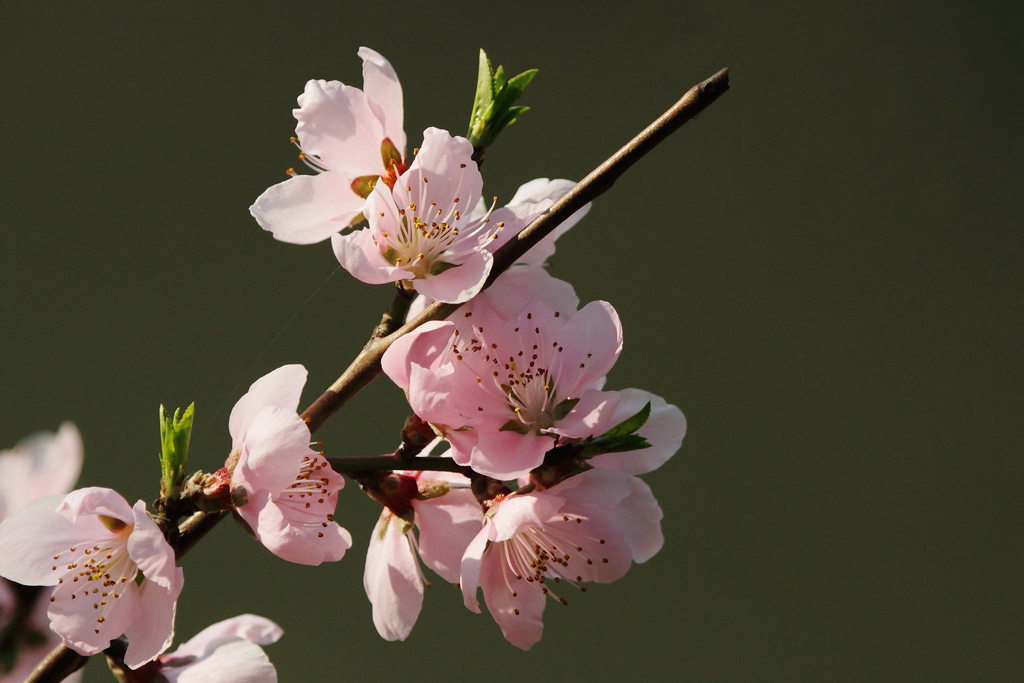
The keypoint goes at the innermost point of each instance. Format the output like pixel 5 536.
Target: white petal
pixel 460 283
pixel 280 388
pixel 447 526
pixel 149 551
pixel 392 579
pixel 307 208
pixel 31 537
pixel 153 629
pixel 250 627
pixel 380 83
pixel 238 662
pixel 336 123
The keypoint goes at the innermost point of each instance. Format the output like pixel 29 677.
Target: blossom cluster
pixel 515 376
pixel 518 472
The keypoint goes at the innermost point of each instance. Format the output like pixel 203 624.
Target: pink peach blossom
pixel 447 517
pixel 429 228
pixel 344 133
pixel 90 545
pixel 227 651
pixel 41 465
pixel 519 367
pixel 501 375
pixel 283 489
pixel 590 527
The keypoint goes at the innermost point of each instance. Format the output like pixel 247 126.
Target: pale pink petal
pixel 250 627
pixel 308 208
pixel 32 536
pixel 280 388
pixel 420 346
pixel 520 512
pixel 41 465
pixel 149 551
pixel 82 505
pixel 392 579
pixel 152 631
pixel 446 162
pixel 471 566
pixel 664 430
pixel 447 526
pixel 640 517
pixel 238 662
pixel 275 445
pixel 303 541
pixel 506 455
pixel 380 83
pixel 335 122
pixel 77 620
pixel 460 283
pixel 463 443
pixel 589 416
pixel 515 289
pixel 357 254
pixel 429 395
pixel 519 615
pixel 592 340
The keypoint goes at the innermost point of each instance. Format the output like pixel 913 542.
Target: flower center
pixel 538 557
pixel 430 237
pixel 525 365
pixel 309 495
pixel 99 572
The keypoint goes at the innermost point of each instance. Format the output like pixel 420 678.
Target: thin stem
pixel 366 366
pixel 58 665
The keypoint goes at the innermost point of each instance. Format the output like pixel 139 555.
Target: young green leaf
pixel 630 424
pixel 175 433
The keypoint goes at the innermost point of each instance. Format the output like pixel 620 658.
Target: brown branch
pixel 366 366
pixel 62 661
pixel 58 665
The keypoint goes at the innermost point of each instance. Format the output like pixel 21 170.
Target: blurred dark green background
pixel 823 271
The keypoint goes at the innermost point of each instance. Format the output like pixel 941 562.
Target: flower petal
pixel 506 455
pixel 460 283
pixel 392 579
pixel 239 662
pixel 249 627
pixel 149 551
pixel 152 631
pixel 32 536
pixel 471 567
pixel 421 347
pixel 297 541
pixel 543 192
pixel 357 254
pixel 41 465
pixel 280 388
pixel 380 83
pixel 307 208
pixel 275 445
pixel 336 123
pixel 519 615
pixel 592 340
pixel 86 625
pixel 664 430
pixel 447 526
